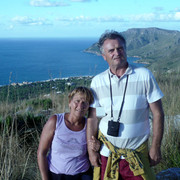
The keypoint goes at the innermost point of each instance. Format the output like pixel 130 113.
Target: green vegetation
pixel 13 93
pixel 25 109
pixel 170 85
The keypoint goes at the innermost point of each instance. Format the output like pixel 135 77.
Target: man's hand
pixel 154 156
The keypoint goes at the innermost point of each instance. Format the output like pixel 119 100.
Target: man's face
pixel 114 52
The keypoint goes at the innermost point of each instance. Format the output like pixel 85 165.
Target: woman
pixel 64 136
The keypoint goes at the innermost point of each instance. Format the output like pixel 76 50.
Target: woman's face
pixel 78 105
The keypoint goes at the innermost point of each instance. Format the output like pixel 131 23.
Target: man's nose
pixel 117 52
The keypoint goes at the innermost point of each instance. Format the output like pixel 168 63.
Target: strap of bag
pixel 120 111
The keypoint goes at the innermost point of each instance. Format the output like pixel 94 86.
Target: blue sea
pixel 34 60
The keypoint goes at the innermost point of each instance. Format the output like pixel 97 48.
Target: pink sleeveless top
pixel 68 152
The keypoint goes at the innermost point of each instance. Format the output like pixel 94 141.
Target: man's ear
pixel 104 57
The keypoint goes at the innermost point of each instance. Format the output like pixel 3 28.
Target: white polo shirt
pixel 142 89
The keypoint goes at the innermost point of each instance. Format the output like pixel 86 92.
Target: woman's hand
pixel 94 144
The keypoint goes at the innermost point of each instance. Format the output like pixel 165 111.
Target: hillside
pixel 16 92
pixel 159 48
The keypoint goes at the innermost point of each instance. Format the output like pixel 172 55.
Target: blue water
pixel 41 59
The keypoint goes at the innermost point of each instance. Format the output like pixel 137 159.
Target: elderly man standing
pixel 126 93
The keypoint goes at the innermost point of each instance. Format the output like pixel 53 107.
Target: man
pixel 126 93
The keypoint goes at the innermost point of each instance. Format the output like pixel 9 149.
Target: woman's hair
pixel 84 91
pixel 110 34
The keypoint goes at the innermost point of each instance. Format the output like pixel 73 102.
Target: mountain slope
pixel 159 48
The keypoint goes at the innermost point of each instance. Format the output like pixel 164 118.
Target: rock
pixel 169 174
pixel 29 109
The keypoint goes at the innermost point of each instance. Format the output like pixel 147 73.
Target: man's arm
pixel 158 129
pixel 92 129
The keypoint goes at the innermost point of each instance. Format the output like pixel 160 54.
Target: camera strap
pixel 120 111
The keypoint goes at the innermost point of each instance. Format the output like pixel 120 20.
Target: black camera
pixel 113 128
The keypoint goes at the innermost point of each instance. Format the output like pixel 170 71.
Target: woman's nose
pixel 81 105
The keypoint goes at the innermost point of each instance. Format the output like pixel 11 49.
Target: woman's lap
pixel 88 175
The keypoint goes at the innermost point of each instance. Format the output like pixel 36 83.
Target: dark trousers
pixel 88 175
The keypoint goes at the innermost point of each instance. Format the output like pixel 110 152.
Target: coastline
pixel 141 62
pixel 48 80
pixel 97 52
pixel 45 88
pixel 21 83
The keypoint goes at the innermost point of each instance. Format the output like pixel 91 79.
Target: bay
pixel 33 60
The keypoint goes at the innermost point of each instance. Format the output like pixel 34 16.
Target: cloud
pixel 111 19
pixel 24 20
pixel 177 16
pixel 156 17
pixel 11 27
pixel 149 17
pixel 47 3
pixel 142 17
pixel 91 19
pixel 177 9
pixel 80 0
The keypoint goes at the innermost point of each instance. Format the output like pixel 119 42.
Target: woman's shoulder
pixel 50 125
pixel 53 117
pixel 52 121
pixel 59 119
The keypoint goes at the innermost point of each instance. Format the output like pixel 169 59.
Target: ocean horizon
pixel 41 59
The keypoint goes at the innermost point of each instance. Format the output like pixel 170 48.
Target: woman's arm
pixel 44 145
pixel 92 128
pixel 94 144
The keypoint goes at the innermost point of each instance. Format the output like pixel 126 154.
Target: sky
pixel 84 18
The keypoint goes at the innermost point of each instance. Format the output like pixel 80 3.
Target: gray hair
pixel 109 34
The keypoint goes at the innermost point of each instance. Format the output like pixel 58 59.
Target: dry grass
pixel 21 128
pixel 19 136
pixel 170 85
